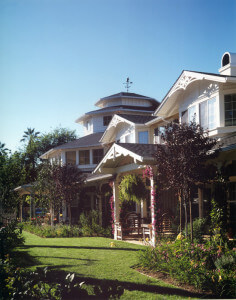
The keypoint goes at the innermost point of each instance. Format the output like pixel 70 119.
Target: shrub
pixel 206 265
pixel 89 223
pixel 10 238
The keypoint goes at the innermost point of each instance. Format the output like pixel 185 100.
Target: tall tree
pixel 69 180
pixel 54 138
pixel 58 186
pixel 12 174
pixel 30 138
pixel 181 160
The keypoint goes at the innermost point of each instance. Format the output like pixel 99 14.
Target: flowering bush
pixel 205 265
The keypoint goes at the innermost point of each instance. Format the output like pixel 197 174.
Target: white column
pixel 63 158
pixel 77 158
pixel 143 208
pixel 91 156
pixel 153 210
pixel 116 205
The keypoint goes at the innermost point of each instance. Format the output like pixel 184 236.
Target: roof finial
pixel 128 84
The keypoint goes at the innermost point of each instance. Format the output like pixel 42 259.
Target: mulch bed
pixel 167 279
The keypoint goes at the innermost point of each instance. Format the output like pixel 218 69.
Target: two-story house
pixel 87 151
pixel 207 98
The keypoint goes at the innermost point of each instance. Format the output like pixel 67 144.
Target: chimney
pixel 228 64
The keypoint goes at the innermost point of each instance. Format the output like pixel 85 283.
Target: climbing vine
pixel 155 210
pixel 132 189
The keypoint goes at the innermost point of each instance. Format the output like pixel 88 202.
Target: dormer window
pixel 225 60
pixel 106 120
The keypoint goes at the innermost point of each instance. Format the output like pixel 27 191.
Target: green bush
pixel 89 224
pixel 48 231
pixel 206 266
pixel 10 238
pixel 17 283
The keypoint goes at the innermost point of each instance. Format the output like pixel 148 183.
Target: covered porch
pixel 120 160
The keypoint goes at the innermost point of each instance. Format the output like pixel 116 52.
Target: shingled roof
pixel 85 141
pixel 137 119
pixel 144 150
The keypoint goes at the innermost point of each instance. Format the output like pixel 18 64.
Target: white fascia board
pixel 116 151
pixel 180 84
pixel 154 121
pixel 96 170
pixel 82 118
pixel 112 126
pixel 47 154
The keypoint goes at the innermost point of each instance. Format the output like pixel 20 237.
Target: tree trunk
pixel 191 219
pixel 52 214
pixel 180 211
pixel 186 217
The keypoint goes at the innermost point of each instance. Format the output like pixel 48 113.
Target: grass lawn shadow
pixel 79 247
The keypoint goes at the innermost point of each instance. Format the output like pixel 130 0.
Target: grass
pixel 95 262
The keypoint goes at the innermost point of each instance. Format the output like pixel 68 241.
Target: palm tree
pixel 30 135
pixel 31 151
pixel 3 150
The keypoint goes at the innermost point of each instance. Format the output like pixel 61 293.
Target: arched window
pixel 225 60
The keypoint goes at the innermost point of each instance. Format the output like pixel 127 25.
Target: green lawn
pixel 94 261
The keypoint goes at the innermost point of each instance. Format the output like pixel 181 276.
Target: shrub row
pixel 207 266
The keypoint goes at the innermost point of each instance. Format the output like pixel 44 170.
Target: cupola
pixel 228 64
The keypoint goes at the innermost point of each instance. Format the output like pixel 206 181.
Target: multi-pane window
pixel 97 155
pixel 71 157
pixel 84 157
pixel 230 110
pixel 208 114
pixel 106 120
pixel 143 137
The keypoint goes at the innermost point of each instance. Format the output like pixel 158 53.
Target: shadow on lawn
pixel 25 260
pixel 79 247
pixel 131 286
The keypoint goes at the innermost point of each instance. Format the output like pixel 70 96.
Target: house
pixel 207 98
pixel 87 151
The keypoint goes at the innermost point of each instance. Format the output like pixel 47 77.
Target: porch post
pixel 153 208
pixel 200 202
pixel 143 209
pixel 116 205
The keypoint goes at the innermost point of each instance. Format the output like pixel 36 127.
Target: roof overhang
pixel 115 122
pixel 25 189
pixel 119 159
pixel 169 104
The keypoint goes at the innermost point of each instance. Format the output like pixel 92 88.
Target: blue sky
pixel 58 57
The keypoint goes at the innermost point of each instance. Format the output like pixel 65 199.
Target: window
pixel 143 137
pixel 230 110
pixel 106 120
pixel 158 133
pixel 71 157
pixel 84 157
pixel 88 125
pixel 208 114
pixel 192 114
pixel 97 155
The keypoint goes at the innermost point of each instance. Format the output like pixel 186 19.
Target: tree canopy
pixel 182 158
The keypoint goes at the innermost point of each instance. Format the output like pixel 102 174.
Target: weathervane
pixel 128 84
